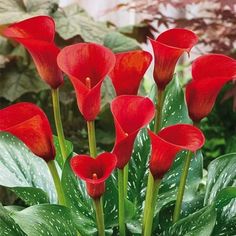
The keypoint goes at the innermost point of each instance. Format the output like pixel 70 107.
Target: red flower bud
pixel 210 73
pixel 168 142
pixel 129 70
pixel 94 171
pixel 87 64
pixel 168 47
pixel 131 113
pixel 37 36
pixel 28 122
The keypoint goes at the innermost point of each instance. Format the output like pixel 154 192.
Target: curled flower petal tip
pixel 129 70
pixel 167 48
pixel 94 171
pixel 130 113
pixel 28 122
pixel 168 142
pixel 87 65
pixel 209 74
pixel 36 34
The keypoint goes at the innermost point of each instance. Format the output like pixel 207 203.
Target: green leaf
pixel 72 21
pixel 24 173
pixel 15 83
pixel 221 178
pixel 69 149
pixel 7 225
pixel 118 42
pixel 41 220
pixel 201 223
pixel 16 10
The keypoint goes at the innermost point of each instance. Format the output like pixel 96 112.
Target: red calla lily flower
pixel 131 113
pixel 87 64
pixel 28 122
pixel 94 171
pixel 37 36
pixel 167 48
pixel 168 142
pixel 129 70
pixel 210 73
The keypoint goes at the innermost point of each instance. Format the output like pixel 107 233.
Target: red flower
pixel 168 142
pixel 94 171
pixel 131 113
pixel 168 47
pixel 37 36
pixel 29 123
pixel 210 73
pixel 129 70
pixel 87 64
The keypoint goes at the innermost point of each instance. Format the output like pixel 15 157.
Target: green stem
pixel 157 127
pixel 121 202
pixel 159 108
pixel 57 183
pixel 92 138
pixel 126 177
pixel 151 208
pixel 98 205
pixel 181 188
pixel 58 123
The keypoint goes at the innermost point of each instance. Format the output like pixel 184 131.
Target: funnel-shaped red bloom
pixel 29 123
pixel 168 142
pixel 131 113
pixel 167 48
pixel 210 73
pixel 129 70
pixel 94 171
pixel 87 64
pixel 37 36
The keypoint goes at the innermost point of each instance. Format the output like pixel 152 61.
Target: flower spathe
pixel 130 113
pixel 28 122
pixel 168 142
pixel 167 48
pixel 94 171
pixel 129 70
pixel 87 65
pixel 209 74
pixel 36 34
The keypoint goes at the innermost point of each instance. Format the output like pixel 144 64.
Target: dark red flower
pixel 131 113
pixel 168 142
pixel 167 48
pixel 29 123
pixel 37 36
pixel 210 73
pixel 129 70
pixel 87 64
pixel 94 171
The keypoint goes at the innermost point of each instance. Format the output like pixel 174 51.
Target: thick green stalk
pixel 181 188
pixel 126 177
pixel 57 183
pixel 121 202
pixel 151 208
pixel 98 205
pixel 157 127
pixel 92 138
pixel 58 123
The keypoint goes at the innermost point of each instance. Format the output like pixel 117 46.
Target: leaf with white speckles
pixel 201 223
pixel 7 225
pixel 46 220
pixel 222 176
pixel 24 173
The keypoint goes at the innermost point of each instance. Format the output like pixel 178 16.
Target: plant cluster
pixel 138 187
